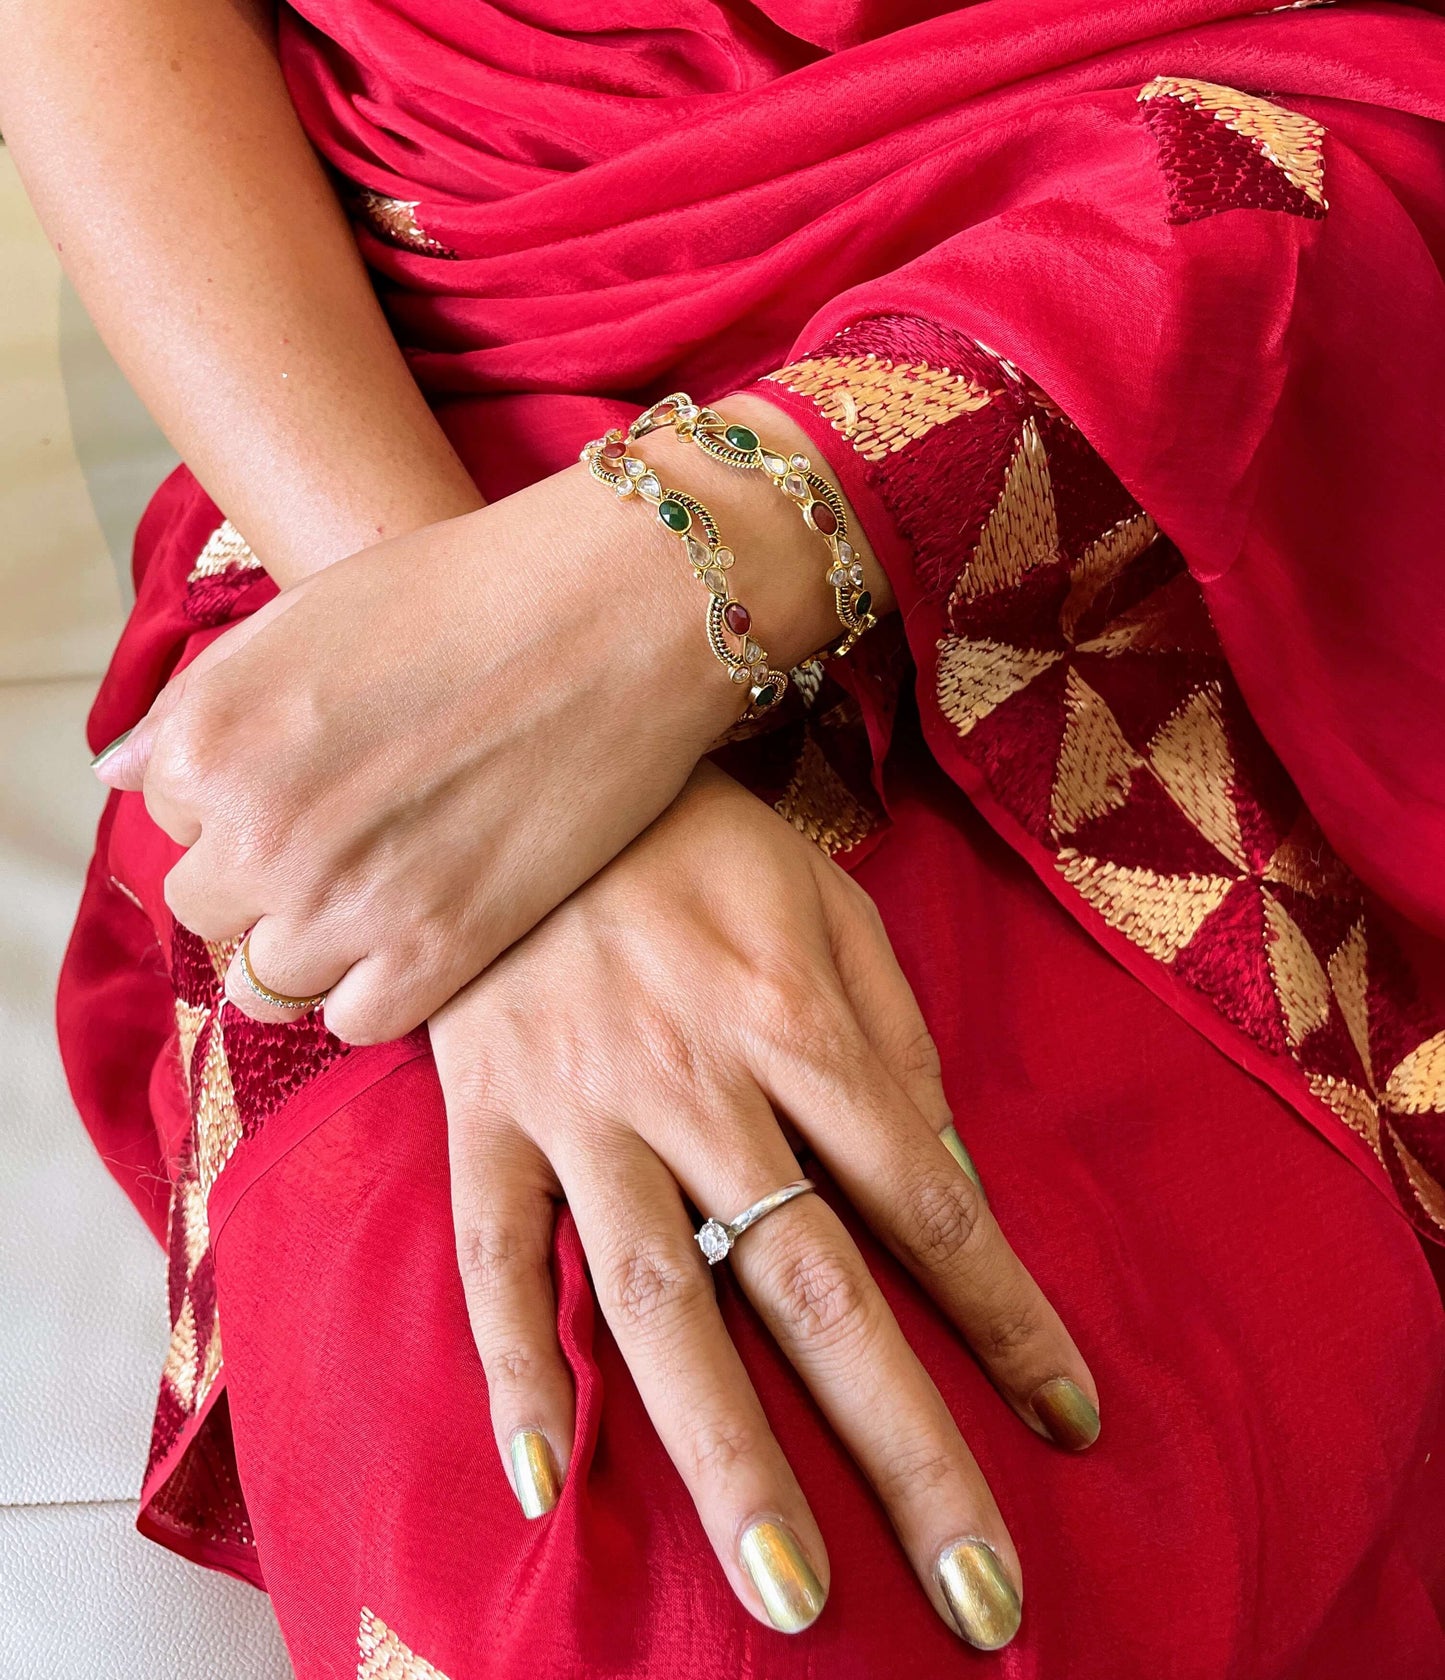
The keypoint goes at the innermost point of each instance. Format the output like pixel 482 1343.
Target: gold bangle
pixel 609 459
pixel 818 501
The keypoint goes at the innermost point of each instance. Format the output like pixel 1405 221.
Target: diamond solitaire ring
pixel 716 1238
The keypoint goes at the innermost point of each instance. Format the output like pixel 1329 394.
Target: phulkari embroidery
pixel 1084 681
pixel 236 1072
pixel 226 567
pixel 1225 150
pixel 384 1656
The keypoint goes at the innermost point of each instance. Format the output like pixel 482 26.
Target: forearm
pixel 159 145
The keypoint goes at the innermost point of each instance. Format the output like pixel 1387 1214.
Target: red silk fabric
pixel 568 218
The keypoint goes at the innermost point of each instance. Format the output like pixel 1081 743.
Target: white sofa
pixel 82 1285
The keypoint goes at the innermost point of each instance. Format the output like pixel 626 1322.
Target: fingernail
pixel 534 1471
pixel 953 1143
pixel 1067 1413
pixel 115 746
pixel 981 1598
pixel 778 1567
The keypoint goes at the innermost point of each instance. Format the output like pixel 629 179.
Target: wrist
pixel 782 564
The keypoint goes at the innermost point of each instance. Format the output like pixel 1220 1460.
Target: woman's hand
pixel 398 767
pixel 637 1052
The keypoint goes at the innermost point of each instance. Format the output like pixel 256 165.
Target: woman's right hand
pixel 635 1052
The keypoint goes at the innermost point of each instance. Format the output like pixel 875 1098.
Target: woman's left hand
pixel 639 1049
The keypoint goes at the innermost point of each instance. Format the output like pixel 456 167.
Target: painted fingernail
pixel 953 1143
pixel 981 1599
pixel 1067 1413
pixel 114 747
pixel 778 1567
pixel 534 1471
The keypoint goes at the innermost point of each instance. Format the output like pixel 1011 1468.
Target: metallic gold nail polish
pixel 534 1471
pixel 1067 1413
pixel 953 1143
pixel 982 1600
pixel 778 1567
pixel 115 745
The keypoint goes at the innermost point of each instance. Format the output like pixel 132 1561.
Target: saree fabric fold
pixel 1122 327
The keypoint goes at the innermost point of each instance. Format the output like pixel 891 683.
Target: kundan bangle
pixel 609 459
pixel 817 500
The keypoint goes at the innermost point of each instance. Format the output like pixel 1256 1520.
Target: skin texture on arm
pixel 159 145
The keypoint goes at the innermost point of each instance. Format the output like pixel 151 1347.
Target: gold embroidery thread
pixel 383 1655
pixel 878 405
pixel 1293 143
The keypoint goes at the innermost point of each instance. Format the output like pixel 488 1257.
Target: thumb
pixel 124 762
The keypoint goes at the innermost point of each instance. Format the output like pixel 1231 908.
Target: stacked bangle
pixel 817 500
pixel 610 460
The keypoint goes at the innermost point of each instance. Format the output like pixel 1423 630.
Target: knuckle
pixel 649 1289
pixel 669 1052
pixel 915 1469
pixel 488 1255
pixel 809 1024
pixel 918 1056
pixel 720 1444
pixel 941 1221
pixel 515 1364
pixel 822 1298
pixel 1013 1327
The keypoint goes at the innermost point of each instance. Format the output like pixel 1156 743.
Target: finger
pixel 811 1286
pixel 287 962
pixel 885 1156
pixel 124 762
pixel 654 1291
pixel 886 1009
pixel 377 998
pixel 504 1211
pixel 206 897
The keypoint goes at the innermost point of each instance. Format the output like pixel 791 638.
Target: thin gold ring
pixel 277 1000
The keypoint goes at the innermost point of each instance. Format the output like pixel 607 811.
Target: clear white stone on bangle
pixel 650 486
pixel 800 463
pixel 796 486
pixel 775 464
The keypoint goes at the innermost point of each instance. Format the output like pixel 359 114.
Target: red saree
pixel 1203 246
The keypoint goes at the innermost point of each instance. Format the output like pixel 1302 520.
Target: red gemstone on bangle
pixel 737 618
pixel 613 451
pixel 823 517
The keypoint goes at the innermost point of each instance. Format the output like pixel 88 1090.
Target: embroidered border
pixel 1084 681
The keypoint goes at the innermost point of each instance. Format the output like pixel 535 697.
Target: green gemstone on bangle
pixel 741 437
pixel 674 515
pixel 863 604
